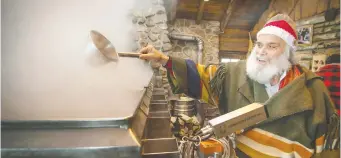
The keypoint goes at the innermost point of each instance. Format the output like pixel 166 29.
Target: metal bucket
pixel 184 106
pixel 188 112
pixel 185 101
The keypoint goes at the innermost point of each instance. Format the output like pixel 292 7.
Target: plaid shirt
pixel 331 76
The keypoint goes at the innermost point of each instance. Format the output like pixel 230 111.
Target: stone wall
pixel 208 31
pixel 185 49
pixel 151 27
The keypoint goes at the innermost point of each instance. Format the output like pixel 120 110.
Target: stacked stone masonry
pixel 208 31
pixel 151 27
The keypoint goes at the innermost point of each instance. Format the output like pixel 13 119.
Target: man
pixel 331 78
pixel 302 119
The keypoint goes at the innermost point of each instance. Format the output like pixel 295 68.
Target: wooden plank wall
pixel 213 10
pixel 234 39
pixel 326 40
pixel 326 35
pixel 234 42
pixel 297 10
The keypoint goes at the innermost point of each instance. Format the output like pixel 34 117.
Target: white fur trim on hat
pixel 273 30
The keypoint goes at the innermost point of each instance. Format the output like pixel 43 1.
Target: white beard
pixel 264 73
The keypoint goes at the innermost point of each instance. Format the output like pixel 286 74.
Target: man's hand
pixel 151 54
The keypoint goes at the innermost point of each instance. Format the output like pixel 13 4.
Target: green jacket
pixel 301 115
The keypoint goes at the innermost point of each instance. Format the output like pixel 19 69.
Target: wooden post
pixel 227 15
pixel 171 8
pixel 200 11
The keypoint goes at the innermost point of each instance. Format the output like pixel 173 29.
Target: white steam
pixel 44 73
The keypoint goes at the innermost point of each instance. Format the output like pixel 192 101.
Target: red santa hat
pixel 282 29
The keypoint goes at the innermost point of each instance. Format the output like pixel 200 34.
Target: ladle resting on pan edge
pixel 107 49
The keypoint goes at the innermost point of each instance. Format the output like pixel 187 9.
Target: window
pixel 227 60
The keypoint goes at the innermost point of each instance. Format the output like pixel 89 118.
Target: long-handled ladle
pixel 107 49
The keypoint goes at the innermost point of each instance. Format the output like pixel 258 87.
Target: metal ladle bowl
pixel 107 48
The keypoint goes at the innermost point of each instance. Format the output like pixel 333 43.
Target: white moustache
pixel 262 58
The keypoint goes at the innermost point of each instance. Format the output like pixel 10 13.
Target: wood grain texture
pixel 172 5
pixel 234 33
pixel 232 54
pixel 327 36
pixel 244 41
pixel 245 15
pixel 304 9
pixel 227 14
pixel 251 15
pixel 311 20
pixel 233 47
pixel 335 22
pixel 200 11
pixel 320 45
pixel 327 29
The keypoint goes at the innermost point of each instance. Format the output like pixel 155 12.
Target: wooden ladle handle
pixel 129 54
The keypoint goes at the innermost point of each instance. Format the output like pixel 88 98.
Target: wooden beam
pixel 185 15
pixel 227 15
pixel 234 33
pixel 224 53
pixel 171 6
pixel 326 36
pixel 231 54
pixel 321 45
pixel 172 15
pixel 234 40
pixel 236 47
pixel 328 29
pixel 311 20
pixel 259 14
pixel 200 11
pixel 240 23
pixel 336 22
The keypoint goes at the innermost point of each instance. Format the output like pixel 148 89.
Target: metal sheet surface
pixel 76 143
pixel 66 138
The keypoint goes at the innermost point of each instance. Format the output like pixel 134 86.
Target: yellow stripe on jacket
pixel 271 144
pixel 206 75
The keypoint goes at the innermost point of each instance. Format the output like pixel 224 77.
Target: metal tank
pixel 55 103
